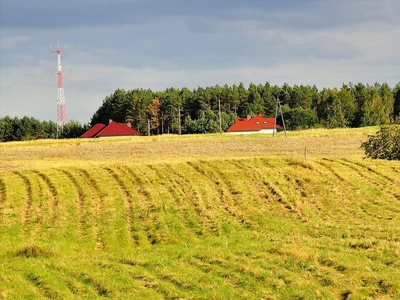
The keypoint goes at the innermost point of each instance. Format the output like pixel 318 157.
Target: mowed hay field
pixel 200 217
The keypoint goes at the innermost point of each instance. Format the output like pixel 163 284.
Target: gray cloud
pixel 295 14
pixel 158 44
pixel 325 47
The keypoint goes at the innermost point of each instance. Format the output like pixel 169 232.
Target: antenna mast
pixel 61 107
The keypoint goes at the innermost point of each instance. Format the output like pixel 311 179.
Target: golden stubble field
pixel 308 144
pixel 200 217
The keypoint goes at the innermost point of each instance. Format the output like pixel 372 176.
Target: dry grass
pixel 314 143
pixel 199 217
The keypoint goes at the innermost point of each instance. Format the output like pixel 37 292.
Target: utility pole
pixel 278 104
pixel 179 118
pixel 219 112
pixel 61 107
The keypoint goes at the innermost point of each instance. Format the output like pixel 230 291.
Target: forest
pixel 197 111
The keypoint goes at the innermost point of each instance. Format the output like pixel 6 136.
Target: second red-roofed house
pixel 256 124
pixel 112 129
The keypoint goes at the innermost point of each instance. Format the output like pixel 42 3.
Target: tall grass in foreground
pixel 198 226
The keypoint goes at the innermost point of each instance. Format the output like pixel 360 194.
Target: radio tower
pixel 61 108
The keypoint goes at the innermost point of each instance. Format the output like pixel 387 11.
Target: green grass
pixel 179 221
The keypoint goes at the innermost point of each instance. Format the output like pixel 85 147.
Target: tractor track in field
pixel 382 187
pixel 177 191
pixel 150 207
pixel 84 280
pixel 233 192
pixel 361 165
pixel 54 201
pixel 220 268
pixel 150 281
pixel 72 283
pixel 225 198
pixel 395 170
pixel 349 183
pixel 325 163
pixel 80 203
pixel 189 192
pixel 128 199
pixel 174 190
pixel 299 185
pixel 137 208
pixel 267 189
pixel 97 205
pixel 357 171
pixel 152 277
pixel 149 277
pixel 41 208
pixel 3 198
pixel 138 272
pixel 146 208
pixel 43 287
pixel 26 211
pixel 249 201
pixel 330 169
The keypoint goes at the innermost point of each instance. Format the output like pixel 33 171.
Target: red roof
pixel 112 129
pixel 255 124
pixel 92 131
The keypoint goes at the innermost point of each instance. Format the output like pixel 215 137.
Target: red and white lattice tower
pixel 61 108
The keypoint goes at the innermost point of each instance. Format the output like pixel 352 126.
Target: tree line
pixel 28 128
pixel 214 109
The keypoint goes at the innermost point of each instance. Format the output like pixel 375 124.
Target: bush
pixel 385 144
pixel 298 118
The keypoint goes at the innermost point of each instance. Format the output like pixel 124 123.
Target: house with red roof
pixel 112 129
pixel 256 124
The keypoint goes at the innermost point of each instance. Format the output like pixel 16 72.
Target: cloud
pixel 325 47
pixel 12 41
pixel 174 43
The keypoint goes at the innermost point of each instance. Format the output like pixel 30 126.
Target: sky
pixel 187 43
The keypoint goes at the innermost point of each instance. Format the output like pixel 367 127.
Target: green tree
pixel 362 116
pixel 335 108
pixel 267 98
pixel 153 111
pixel 6 129
pixel 73 129
pixel 243 109
pixel 396 104
pixel 139 100
pixel 255 102
pixel 385 144
pixel 348 105
pixel 299 118
pixel 170 106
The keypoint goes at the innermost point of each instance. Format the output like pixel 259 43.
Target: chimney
pixel 248 117
pixel 129 124
pixel 110 121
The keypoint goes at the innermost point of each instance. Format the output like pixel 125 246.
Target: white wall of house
pixel 267 130
pixel 252 132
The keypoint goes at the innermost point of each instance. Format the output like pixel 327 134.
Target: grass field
pixel 200 217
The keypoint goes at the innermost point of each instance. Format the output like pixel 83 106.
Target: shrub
pixel 385 144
